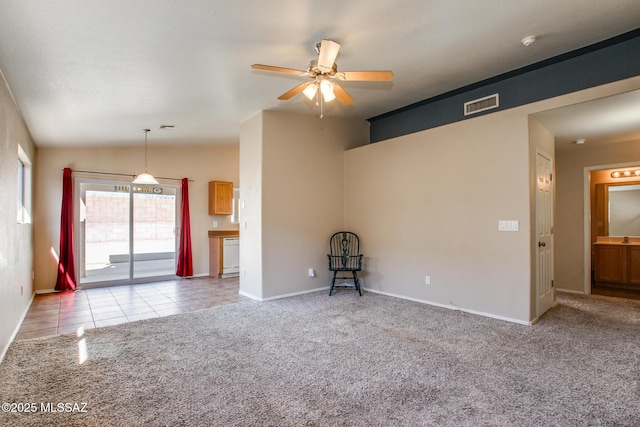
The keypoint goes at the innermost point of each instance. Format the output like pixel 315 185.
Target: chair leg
pixel 333 282
pixel 356 282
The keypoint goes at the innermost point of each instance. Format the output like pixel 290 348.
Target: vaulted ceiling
pixel 96 72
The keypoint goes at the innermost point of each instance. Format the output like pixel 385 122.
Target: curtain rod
pixel 125 174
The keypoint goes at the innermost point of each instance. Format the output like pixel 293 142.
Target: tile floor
pixel 52 314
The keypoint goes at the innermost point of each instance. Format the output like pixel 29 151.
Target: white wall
pixel 199 163
pixel 301 189
pixel 16 246
pixel 251 206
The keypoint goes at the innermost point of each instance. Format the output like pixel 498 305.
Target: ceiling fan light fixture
pixel 326 87
pixel 321 71
pixel 145 178
pixel 310 91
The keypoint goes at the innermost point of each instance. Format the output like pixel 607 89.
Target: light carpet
pixel 344 360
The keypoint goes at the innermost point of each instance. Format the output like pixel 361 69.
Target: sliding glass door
pixel 126 233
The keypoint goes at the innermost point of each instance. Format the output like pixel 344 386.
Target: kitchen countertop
pixel 224 233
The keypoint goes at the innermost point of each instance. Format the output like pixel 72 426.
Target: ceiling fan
pixel 322 72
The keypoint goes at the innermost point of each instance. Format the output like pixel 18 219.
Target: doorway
pixel 126 233
pixel 612 205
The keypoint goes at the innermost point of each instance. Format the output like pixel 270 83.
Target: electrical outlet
pixel 215 224
pixel 312 272
pixel 427 280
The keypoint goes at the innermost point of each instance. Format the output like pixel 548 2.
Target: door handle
pixel 542 244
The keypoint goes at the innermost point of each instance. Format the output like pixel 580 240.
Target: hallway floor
pixel 60 313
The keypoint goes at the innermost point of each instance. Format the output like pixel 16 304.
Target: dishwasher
pixel 230 256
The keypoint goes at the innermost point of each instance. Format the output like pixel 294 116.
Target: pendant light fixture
pixel 145 178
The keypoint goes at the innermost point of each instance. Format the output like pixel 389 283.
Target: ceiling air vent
pixel 482 104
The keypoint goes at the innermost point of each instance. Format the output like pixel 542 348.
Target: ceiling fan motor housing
pixel 314 70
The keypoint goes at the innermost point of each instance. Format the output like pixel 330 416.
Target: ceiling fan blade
pixel 341 95
pixel 293 92
pixel 366 76
pixel 277 69
pixel 327 56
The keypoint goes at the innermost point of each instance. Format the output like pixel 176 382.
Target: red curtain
pixel 185 265
pixel 66 268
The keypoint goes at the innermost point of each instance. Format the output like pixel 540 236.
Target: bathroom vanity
pixel 617 261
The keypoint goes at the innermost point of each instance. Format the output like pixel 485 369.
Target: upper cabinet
pixel 220 198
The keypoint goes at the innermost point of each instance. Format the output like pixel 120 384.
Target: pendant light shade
pixel 145 178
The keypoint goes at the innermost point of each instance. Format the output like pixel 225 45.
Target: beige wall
pixel 301 189
pixel 429 204
pixel 572 241
pixel 16 246
pixel 199 163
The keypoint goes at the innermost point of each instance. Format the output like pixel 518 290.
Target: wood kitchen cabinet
pixel 220 198
pixel 215 256
pixel 216 252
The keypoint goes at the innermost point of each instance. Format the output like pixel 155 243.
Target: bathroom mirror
pixel 618 209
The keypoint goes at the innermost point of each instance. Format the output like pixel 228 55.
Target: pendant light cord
pixel 146 131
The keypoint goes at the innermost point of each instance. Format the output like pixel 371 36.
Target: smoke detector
pixel 528 41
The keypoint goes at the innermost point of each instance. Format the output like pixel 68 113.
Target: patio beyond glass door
pixel 126 232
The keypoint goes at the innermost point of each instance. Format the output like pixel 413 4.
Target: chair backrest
pixel 344 251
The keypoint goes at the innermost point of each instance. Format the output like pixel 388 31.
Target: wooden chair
pixel 344 255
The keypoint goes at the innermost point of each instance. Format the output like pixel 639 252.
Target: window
pixel 24 187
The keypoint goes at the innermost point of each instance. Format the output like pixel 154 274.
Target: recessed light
pixel 528 41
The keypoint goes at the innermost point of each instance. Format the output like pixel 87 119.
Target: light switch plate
pixel 508 225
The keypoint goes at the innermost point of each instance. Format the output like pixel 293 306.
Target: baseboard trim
pixel 451 307
pixel 17 329
pixel 45 291
pixel 293 294
pixel 570 291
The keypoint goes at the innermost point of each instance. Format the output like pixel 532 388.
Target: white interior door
pixel 544 234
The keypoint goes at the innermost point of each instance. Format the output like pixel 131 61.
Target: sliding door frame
pixel 79 244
